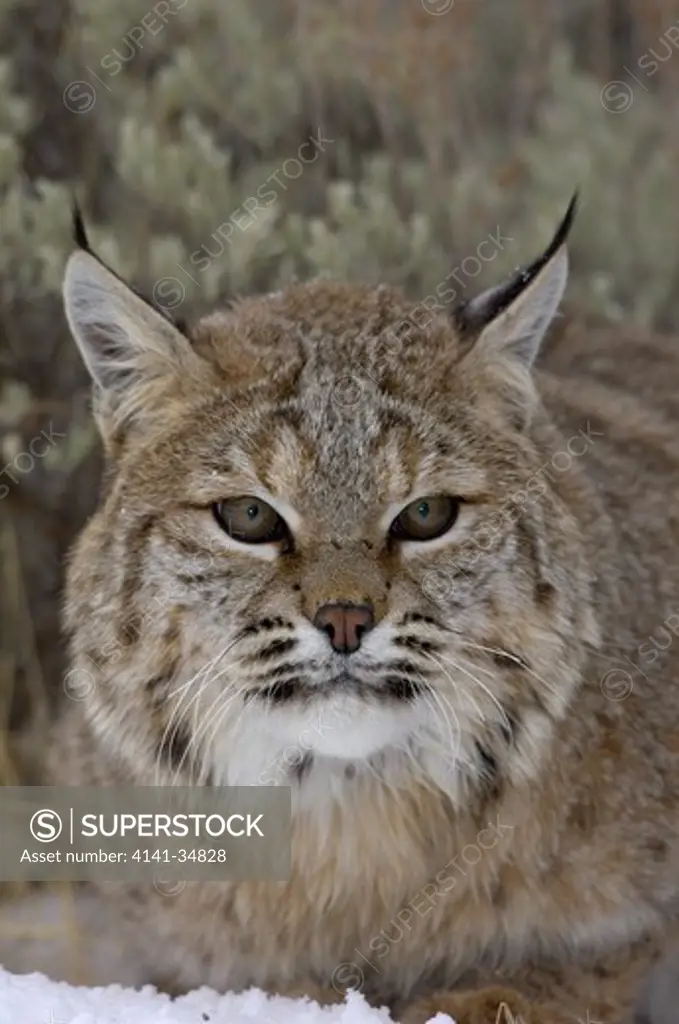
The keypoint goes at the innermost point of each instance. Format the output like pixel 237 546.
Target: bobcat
pixel 429 581
pixel 659 999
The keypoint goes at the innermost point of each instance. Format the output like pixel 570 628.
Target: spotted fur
pixel 480 714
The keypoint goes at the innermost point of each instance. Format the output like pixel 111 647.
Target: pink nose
pixel 345 624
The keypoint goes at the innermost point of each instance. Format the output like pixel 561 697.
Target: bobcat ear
pixel 134 354
pixel 79 232
pixel 510 320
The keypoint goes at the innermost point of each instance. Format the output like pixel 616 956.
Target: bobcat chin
pixel 399 559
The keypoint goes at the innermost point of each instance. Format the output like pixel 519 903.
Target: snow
pixel 33 938
pixel 35 999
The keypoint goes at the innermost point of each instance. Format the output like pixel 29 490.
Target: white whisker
pixel 179 711
pixel 454 684
pixel 196 731
pixel 486 690
pixel 518 661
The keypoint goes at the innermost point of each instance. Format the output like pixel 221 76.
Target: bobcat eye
pixel 250 520
pixel 426 518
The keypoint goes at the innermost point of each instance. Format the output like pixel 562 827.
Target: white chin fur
pixel 268 742
pixel 345 727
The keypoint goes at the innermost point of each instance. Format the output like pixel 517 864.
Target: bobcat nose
pixel 345 624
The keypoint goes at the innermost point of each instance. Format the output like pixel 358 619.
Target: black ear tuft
pixel 471 317
pixel 83 242
pixel 79 233
pixel 560 236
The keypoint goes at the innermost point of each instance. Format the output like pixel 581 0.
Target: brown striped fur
pixel 511 833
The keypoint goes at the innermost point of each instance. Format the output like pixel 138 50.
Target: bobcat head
pixel 324 548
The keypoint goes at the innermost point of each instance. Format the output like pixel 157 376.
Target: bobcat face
pixel 316 549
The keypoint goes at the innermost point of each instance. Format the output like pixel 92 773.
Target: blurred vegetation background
pixel 448 119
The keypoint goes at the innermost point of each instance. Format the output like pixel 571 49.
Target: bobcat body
pixel 485 778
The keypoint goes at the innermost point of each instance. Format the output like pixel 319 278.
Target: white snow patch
pixel 34 999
